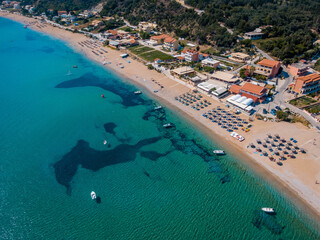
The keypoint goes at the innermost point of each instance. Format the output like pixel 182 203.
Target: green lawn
pixel 139 49
pixel 302 102
pixel 151 56
pixel 314 109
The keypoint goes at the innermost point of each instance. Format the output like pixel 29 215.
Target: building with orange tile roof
pixel 255 92
pixel 159 38
pixel 168 42
pixel 235 89
pixel 113 32
pixel 171 44
pixel 268 68
pixel 190 55
pixel 298 69
pixel 307 84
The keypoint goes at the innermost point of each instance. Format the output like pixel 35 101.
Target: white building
pixel 209 62
pixel 241 102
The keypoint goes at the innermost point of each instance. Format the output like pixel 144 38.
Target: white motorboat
pixel 219 152
pixel 168 125
pixel 157 107
pixel 137 92
pixel 268 210
pixel 105 142
pixel 93 195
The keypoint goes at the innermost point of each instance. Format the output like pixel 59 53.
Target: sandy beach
pixel 297 177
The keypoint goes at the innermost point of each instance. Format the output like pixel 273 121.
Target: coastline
pixel 299 194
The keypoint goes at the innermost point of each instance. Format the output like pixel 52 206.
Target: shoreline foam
pixel 296 194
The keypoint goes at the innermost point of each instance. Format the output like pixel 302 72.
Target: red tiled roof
pixel 158 37
pixel 268 63
pixel 180 58
pixel 189 51
pixel 310 78
pixel 113 32
pixel 235 88
pixel 169 40
pixel 252 88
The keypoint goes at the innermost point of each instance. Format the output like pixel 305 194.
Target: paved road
pixel 280 90
pixel 228 29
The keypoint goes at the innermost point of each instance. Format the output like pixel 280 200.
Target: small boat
pixel 168 125
pixel 137 92
pixel 93 195
pixel 102 95
pixel 268 210
pixel 219 152
pixel 105 142
pixel 75 66
pixel 157 107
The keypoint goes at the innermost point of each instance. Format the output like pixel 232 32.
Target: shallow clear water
pixel 153 183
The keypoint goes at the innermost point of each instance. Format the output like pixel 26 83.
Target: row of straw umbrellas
pixel 156 82
pixel 277 145
pixel 194 100
pixel 225 119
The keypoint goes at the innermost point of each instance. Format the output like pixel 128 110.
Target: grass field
pixel 140 49
pixel 151 56
pixel 314 109
pixel 302 101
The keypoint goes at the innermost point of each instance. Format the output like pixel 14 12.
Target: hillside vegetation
pixel 291 22
pixel 173 18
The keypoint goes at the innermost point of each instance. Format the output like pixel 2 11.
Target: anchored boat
pixel 93 195
pixel 168 125
pixel 219 152
pixel 268 210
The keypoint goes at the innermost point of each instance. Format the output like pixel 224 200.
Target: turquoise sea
pixel 152 183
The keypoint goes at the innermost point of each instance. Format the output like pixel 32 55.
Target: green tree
pixel 144 35
pixel 281 115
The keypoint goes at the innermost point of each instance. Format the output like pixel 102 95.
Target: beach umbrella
pixel 276 152
pixel 302 150
pixel 264 144
pixel 270 149
pixel 265 153
pixel 258 149
pixel 277 135
pixel 252 145
pixel 269 135
pixel 258 141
